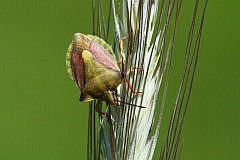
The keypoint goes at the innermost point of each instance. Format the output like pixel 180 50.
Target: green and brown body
pixel 91 64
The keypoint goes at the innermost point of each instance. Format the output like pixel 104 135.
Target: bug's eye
pixel 123 75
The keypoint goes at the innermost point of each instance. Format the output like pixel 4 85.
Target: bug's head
pixel 109 97
pixel 123 75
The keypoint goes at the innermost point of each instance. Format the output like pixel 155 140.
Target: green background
pixel 40 115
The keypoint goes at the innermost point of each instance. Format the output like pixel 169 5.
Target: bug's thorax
pixel 99 86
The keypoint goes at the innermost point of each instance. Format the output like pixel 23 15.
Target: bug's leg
pixel 98 109
pixel 120 60
pixel 133 69
pixel 121 49
pixel 129 85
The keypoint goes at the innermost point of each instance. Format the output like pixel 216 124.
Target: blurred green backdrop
pixel 40 115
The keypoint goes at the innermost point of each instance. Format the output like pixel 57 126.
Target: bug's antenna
pixel 130 104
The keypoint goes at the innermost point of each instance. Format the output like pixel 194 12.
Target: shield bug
pixel 91 63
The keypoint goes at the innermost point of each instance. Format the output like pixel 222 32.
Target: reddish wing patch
pixel 78 69
pixel 102 56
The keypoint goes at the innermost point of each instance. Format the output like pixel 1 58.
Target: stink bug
pixel 91 63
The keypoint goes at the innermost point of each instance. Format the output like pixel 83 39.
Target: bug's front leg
pixel 121 49
pixel 133 69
